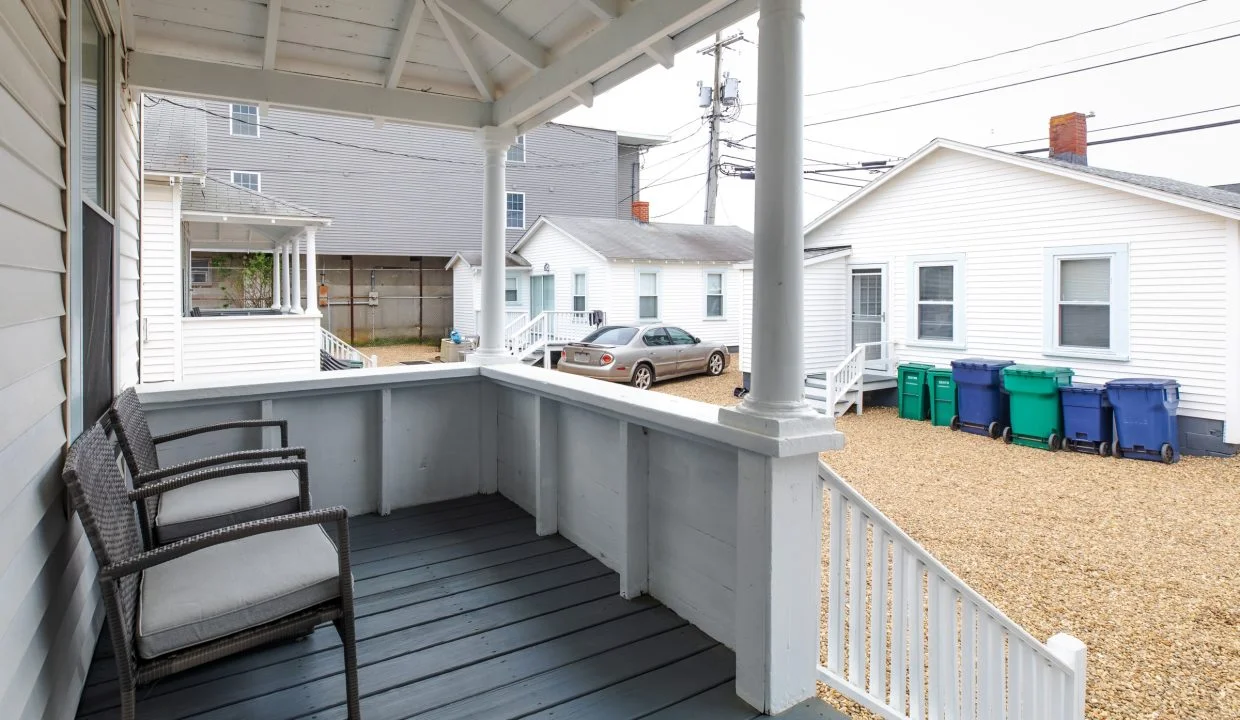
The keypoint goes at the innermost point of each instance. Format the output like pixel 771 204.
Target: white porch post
pixel 276 254
pixel 295 306
pixel 495 142
pixel 779 498
pixel 285 250
pixel 312 274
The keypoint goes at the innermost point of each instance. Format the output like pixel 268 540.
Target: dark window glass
pixel 611 335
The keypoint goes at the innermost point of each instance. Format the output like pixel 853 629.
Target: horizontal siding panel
pixel 25 191
pixel 29 399
pixel 22 135
pixel 41 345
pixel 23 80
pixel 26 243
pixel 24 31
pixel 48 14
pixel 39 290
pixel 25 457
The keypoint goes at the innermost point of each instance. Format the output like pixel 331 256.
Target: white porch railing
pixel 950 653
pixel 545 330
pixel 844 379
pixel 343 351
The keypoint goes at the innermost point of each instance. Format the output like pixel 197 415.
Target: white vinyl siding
pixel 827 298
pixel 162 281
pixel 465 301
pixel 244 120
pixel 516 151
pixel 515 211
pixel 566 259
pixel 215 348
pixel 1003 218
pixel 127 340
pixel 647 295
pixel 248 180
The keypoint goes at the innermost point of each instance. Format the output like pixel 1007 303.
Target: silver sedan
pixel 640 355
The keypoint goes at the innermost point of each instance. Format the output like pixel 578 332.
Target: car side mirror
pixel 697 341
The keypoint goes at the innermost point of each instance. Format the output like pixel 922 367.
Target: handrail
pixel 543 330
pixel 950 652
pixel 845 377
pixel 342 350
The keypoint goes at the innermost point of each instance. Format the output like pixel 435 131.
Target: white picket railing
pixel 909 640
pixel 343 351
pixel 544 330
pixel 844 378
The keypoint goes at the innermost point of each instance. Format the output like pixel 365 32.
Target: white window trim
pixel 960 332
pixel 637 296
pixel 258 129
pixel 572 289
pixel 1118 255
pixel 232 177
pixel 506 225
pixel 517 302
pixel 518 142
pixel 723 292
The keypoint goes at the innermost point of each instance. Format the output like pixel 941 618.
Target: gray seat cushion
pixel 213 504
pixel 224 589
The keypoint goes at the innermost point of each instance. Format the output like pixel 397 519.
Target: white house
pixel 632 271
pixel 466 270
pixel 962 251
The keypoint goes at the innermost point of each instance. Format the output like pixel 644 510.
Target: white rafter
pixel 663 51
pixel 605 9
pixel 584 94
pixel 272 38
pixel 458 39
pixel 404 43
pixel 482 19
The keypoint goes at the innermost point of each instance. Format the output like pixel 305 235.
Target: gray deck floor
pixel 463 612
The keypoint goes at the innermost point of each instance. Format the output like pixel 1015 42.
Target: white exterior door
pixel 869 313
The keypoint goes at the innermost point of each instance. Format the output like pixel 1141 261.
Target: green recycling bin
pixel 914 400
pixel 942 388
pixel 1036 414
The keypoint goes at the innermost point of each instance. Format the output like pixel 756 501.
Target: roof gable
pixel 623 239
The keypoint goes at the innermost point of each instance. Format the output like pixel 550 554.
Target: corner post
pixel 286 276
pixel 634 446
pixel 276 254
pixel 547 459
pixel 495 142
pixel 1072 652
pixel 295 305
pixel 312 274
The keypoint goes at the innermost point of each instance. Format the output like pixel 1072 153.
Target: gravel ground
pixel 395 354
pixel 716 390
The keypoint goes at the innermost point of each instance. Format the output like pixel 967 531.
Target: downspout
pixel 352 299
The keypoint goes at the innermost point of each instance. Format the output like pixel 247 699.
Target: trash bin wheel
pixel 993 430
pixel 1104 448
pixel 955 423
pixel 1167 453
pixel 1116 452
pixel 1054 442
pixel 1007 435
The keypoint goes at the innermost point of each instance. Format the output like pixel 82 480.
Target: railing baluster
pixel 835 585
pixel 917 678
pixel 900 582
pixel 1014 659
pixel 856 598
pixel 878 615
pixel 968 660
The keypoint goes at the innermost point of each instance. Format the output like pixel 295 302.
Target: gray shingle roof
pixel 623 239
pixel 174 138
pixel 1200 193
pixel 474 259
pixel 217 196
pixel 1234 187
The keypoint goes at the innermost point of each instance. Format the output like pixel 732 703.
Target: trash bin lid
pixel 1143 383
pixel 1041 371
pixel 981 364
pixel 1084 389
pixel 917 366
pixel 938 371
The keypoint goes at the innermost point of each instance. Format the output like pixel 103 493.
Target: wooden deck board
pixel 463 612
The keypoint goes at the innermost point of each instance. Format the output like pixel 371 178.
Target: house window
pixel 244 120
pixel 647 296
pixel 516 151
pixel 248 180
pixel 579 292
pixel 93 106
pixel 200 271
pixel 936 300
pixel 714 294
pixel 1086 310
pixel 516 211
pixel 511 296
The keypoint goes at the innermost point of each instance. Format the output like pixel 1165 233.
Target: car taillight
pixel 607 358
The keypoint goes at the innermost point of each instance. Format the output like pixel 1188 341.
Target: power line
pixel 1006 52
pixel 683 205
pixel 1024 82
pixel 1131 124
pixel 1142 136
pixel 658 180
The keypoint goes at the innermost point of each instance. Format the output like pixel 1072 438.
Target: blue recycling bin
pixel 1086 418
pixel 981 406
pixel 1145 418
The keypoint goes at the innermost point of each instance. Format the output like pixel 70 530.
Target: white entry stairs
pixel 536 338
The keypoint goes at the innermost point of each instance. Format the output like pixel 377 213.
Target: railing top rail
pixel 969 594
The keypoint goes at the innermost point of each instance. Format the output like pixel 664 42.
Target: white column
pixel 286 278
pixel 312 274
pixel 495 142
pixel 295 306
pixel 276 253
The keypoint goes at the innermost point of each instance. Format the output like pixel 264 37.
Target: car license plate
pixel 581 357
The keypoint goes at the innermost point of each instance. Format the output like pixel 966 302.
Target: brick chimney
pixel 641 211
pixel 1068 138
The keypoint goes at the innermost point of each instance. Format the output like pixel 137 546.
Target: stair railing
pixel 846 377
pixel 343 351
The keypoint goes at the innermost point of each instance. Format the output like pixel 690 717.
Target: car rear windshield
pixel 611 336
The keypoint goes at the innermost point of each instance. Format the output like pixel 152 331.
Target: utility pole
pixel 721 93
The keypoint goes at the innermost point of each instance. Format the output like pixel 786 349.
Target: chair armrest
pixel 232 457
pixel 152 489
pixel 163 554
pixel 233 424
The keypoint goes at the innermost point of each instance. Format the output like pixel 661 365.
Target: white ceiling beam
pixel 458 39
pixel 404 43
pixel 616 43
pixel 272 38
pixel 483 20
pixel 604 9
pixel 303 92
pixel 583 94
pixel 663 51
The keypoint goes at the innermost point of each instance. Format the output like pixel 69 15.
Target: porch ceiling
pixel 453 63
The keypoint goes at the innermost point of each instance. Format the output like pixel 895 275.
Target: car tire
pixel 714 364
pixel 643 377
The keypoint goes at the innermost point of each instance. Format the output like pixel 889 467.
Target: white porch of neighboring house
pixel 717 514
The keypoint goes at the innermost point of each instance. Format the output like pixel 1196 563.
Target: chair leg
pixel 128 703
pixel 348 638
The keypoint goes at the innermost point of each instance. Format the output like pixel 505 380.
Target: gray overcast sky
pixel 856 42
